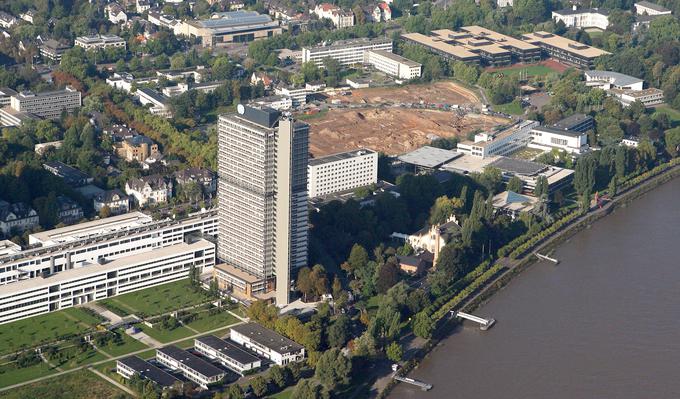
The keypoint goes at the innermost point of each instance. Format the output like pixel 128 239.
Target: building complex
pixel 393 64
pixel 230 27
pixel 347 52
pixel 582 18
pixel 626 89
pixel 262 168
pixel 504 142
pixel 191 366
pixel 649 8
pixel 565 50
pixel 343 171
pixel 47 105
pixel 134 365
pixel 100 42
pixel 227 353
pixel 267 343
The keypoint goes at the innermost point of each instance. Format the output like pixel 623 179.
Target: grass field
pixel 129 345
pixel 159 299
pixel 673 115
pixel 165 336
pixel 530 70
pixel 70 357
pixel 81 384
pixel 42 329
pixel 9 375
pixel 513 108
pixel 206 323
pixel 282 395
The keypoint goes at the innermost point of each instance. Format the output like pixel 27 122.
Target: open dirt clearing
pixel 392 130
pixel 443 92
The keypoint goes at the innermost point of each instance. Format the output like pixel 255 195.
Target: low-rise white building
pixel 346 52
pixel 606 80
pixel 343 171
pixel 504 142
pixel 279 103
pixel 229 354
pixel 648 97
pixel 267 343
pixel 191 366
pixel 582 18
pixel 158 101
pixel 548 138
pixel 393 64
pixel 297 95
pixel 99 280
pixel 100 42
pixel 649 8
pixel 133 365
pixel 17 217
pixel 116 13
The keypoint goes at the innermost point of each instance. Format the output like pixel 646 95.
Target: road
pixel 7 388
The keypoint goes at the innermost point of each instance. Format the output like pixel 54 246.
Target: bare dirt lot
pixel 391 130
pixel 444 92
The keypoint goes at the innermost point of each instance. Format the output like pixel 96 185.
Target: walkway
pixel 7 388
pixel 114 382
pixel 145 339
pixel 103 312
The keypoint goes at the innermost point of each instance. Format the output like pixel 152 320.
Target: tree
pixel 395 352
pixel 358 258
pixel 451 260
pixel 263 313
pixel 105 212
pixel 443 208
pixel 234 392
pixel 339 332
pixel 584 174
pixel 388 275
pixel 417 300
pixel 333 369
pixel 307 389
pixel 278 376
pixel 672 140
pixel 310 71
pixel 359 14
pixel 423 325
pixel 259 385
pixel 515 184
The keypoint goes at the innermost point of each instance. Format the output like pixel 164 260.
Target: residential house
pixel 28 16
pixel 115 200
pixel 16 217
pixel 149 190
pixel 69 211
pixel 433 238
pixel 116 13
pixel 340 18
pixel 413 265
pixel 513 204
pixel 266 80
pixel 137 148
pixel 7 20
pixel 142 5
pixel 382 12
pixel 205 178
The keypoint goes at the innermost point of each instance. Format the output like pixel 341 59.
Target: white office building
pixel 100 42
pixel 504 142
pixel 347 52
pixel 582 18
pixel 343 171
pixel 102 279
pixel 606 80
pixel 548 138
pixel 229 354
pixel 649 8
pixel 262 167
pixel 48 105
pixel 191 366
pixel 158 101
pixel 267 343
pixel 392 64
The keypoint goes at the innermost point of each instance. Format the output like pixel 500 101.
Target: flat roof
pixel 518 166
pixel 340 156
pixel 233 20
pixel 429 157
pixel 563 132
pixel 653 6
pixel 396 57
pixel 614 78
pixel 192 361
pixel 564 44
pixel 29 94
pixel 150 371
pixel 571 121
pixel 153 94
pixel 268 338
pixel 349 43
pixel 229 349
pixel 571 11
pixel 499 37
pixel 640 93
pixel 469 164
pixel 238 273
pixel 80 272
pixel 95 227
pixel 437 43
pixel 466 40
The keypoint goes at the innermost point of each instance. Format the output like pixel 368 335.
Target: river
pixel 604 323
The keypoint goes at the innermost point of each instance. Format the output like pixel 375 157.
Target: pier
pixel 544 257
pixel 484 324
pixel 422 385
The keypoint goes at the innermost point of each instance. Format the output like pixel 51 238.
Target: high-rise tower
pixel 262 194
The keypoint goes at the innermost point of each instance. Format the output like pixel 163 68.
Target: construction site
pixel 397 120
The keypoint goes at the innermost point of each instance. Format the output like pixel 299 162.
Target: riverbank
pixel 514 267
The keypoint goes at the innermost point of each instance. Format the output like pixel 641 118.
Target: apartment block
pixel 343 171
pixel 393 64
pixel 346 52
pixel 100 42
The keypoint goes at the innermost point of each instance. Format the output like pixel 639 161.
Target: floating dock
pixel 484 324
pixel 543 257
pixel 422 385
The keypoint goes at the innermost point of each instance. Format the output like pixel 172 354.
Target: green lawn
pixel 529 70
pixel 84 316
pixel 129 345
pixel 40 329
pixel 9 375
pixel 513 108
pixel 160 299
pixel 165 336
pixel 206 323
pixel 306 117
pixel 146 355
pixel 81 384
pixel 282 395
pixel 70 357
pixel 673 114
